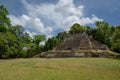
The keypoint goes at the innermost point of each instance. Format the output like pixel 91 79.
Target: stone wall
pixel 75 53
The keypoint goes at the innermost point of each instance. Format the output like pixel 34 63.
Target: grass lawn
pixel 60 69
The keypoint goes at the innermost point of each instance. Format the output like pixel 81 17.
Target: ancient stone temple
pixel 79 45
pixel 80 42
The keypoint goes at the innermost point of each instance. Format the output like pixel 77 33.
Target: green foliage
pixel 103 32
pixel 12 38
pixel 77 28
pixel 4 20
pixel 33 49
pixel 17 30
pixel 51 43
pixel 7 44
pixel 38 38
pixel 62 35
pixel 116 40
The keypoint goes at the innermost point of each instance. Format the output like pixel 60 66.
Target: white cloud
pixel 71 20
pixel 22 20
pixel 67 8
pixel 46 18
pixel 33 25
pixel 88 20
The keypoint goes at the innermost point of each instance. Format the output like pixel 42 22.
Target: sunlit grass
pixel 60 69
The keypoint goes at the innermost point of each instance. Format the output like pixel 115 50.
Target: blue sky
pixel 52 16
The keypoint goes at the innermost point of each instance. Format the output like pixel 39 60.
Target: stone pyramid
pixel 80 42
pixel 79 45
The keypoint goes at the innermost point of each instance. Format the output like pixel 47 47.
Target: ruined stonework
pixel 82 42
pixel 79 45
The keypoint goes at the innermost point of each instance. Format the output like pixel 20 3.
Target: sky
pixel 50 17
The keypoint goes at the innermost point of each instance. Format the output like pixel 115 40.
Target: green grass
pixel 60 69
